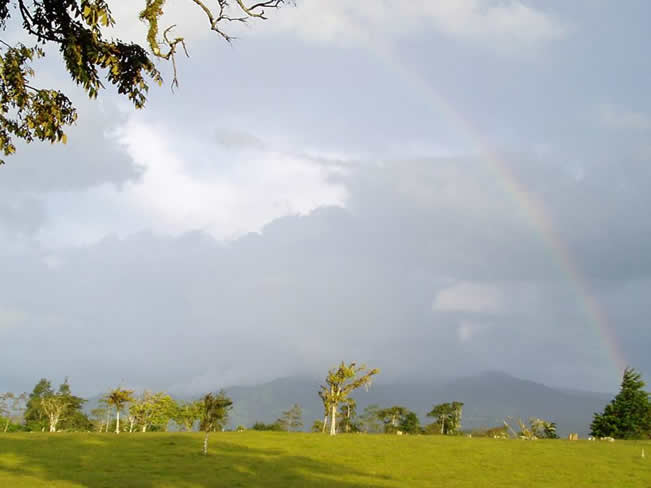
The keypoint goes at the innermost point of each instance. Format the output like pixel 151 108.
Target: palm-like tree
pixel 213 414
pixel 118 398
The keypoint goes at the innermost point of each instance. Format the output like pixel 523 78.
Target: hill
pixel 488 398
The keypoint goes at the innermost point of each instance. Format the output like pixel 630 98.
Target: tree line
pixel 46 409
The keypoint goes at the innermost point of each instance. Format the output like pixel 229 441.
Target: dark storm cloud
pixel 433 274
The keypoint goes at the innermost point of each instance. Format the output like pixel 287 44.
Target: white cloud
pixel 343 21
pixel 473 20
pixel 193 184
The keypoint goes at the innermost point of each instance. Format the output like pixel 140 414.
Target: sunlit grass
pixel 281 460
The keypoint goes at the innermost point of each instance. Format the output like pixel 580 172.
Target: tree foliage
pixel 291 419
pixel 448 417
pixel 369 420
pixel 391 417
pixel 214 411
pixel 118 398
pixel 153 410
pixel 12 408
pixel 410 423
pixel 187 414
pixel 78 30
pixel 628 415
pixel 35 418
pixel 340 383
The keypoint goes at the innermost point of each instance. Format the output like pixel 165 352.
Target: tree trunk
pixel 205 444
pixel 325 423
pixel 117 420
pixel 7 425
pixel 108 419
pixel 333 420
pixel 144 428
pixel 442 425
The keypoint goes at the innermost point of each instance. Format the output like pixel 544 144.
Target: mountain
pixel 488 399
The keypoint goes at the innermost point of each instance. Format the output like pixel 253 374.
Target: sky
pixel 433 188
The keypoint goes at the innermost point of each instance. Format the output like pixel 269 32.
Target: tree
pixel 628 415
pixel 214 414
pixel 275 427
pixel 348 413
pixel 291 419
pixel 187 415
pixel 391 417
pixel 326 408
pixel 73 418
pixel 448 417
pixel 535 429
pixel 152 410
pixel 78 29
pixel 410 424
pixel 54 406
pixel 35 418
pixel 369 420
pixel 98 417
pixel 340 383
pixel 12 407
pixel 118 398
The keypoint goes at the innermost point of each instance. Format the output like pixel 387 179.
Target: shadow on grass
pixel 170 460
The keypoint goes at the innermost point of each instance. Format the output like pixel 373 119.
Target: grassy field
pixel 295 460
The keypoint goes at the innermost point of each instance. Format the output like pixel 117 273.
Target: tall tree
pixel 628 415
pixel 214 414
pixel 348 413
pixel 35 418
pixel 61 406
pixel 118 398
pixel 187 415
pixel 326 408
pixel 12 407
pixel 340 383
pixel 392 417
pixel 370 419
pixel 448 416
pixel 291 419
pixel 98 417
pixel 152 410
pixel 409 423
pixel 73 417
pixel 79 30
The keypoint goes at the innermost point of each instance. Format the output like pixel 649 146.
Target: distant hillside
pixel 488 398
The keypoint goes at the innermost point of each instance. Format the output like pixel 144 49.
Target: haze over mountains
pixel 488 397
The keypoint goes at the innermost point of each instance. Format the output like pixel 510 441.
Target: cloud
pixel 220 187
pixel 476 21
pixel 88 159
pixel 621 118
pixel 396 274
pixel 469 297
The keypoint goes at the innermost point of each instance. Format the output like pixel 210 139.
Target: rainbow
pixel 533 208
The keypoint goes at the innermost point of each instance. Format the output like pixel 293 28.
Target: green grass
pixel 250 459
